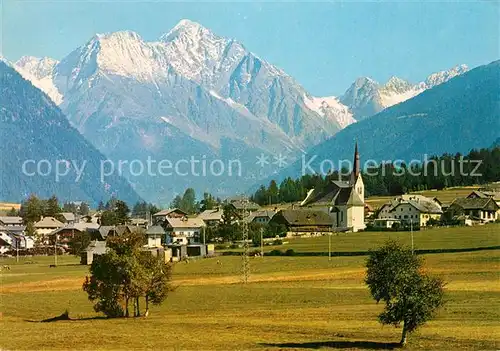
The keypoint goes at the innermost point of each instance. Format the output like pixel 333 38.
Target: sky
pixel 324 45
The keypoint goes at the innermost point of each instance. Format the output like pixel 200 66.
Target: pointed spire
pixel 356 166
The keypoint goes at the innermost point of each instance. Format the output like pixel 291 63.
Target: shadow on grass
pixel 369 345
pixel 65 317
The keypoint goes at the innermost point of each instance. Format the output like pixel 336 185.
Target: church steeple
pixel 355 167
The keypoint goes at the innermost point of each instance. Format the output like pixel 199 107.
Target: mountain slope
pixel 366 97
pixel 456 116
pixel 33 128
pixel 191 93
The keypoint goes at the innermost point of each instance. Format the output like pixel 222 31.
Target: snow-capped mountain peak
pixel 397 84
pixel 443 76
pixel 365 97
pixel 38 67
pixel 185 27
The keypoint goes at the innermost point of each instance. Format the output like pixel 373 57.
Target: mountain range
pixel 454 117
pixel 192 93
pixel 37 139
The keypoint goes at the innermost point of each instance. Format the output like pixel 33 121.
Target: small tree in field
pixel 394 275
pixel 125 274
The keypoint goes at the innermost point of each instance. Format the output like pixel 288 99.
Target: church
pixel 343 200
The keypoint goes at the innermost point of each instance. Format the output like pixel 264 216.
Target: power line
pixel 246 248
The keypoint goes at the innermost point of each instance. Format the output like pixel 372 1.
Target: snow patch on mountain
pixel 39 71
pixel 366 97
pixel 330 107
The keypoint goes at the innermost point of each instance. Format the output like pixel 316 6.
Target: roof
pixel 11 220
pixel 211 215
pixel 303 217
pixel 242 205
pixel 422 206
pixel 485 194
pixel 97 247
pixel 475 203
pixel 121 229
pixel 81 227
pixel 155 230
pixel 336 192
pixel 15 229
pixel 265 213
pixel 420 202
pixel 169 211
pixel 185 222
pixel 138 221
pixel 68 216
pixel 48 222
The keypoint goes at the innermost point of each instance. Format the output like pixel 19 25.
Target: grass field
pixel 289 303
pixel 434 238
pixel 445 195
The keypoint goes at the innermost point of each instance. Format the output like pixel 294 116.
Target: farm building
pixel 95 248
pixel 478 209
pixel 212 217
pixel 414 209
pixel 303 222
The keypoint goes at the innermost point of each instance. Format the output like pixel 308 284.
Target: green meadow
pixel 288 303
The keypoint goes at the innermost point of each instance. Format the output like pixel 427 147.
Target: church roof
pixel 335 193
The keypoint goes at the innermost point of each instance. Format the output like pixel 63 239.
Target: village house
pixel 416 210
pixel 343 200
pixel 243 207
pixel 67 233
pixel 67 217
pixel 161 217
pixel 477 209
pixel 303 222
pixel 45 226
pixel 260 217
pixel 8 221
pixel 485 194
pixel 95 248
pixel 184 230
pixel 212 217
pixel 139 222
pixel 155 235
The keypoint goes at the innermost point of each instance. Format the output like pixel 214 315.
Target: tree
pixel 394 276
pixel 101 206
pixel 188 202
pixel 122 211
pixel 108 218
pixel 52 208
pixel 176 202
pixel 84 209
pixel 208 202
pixel 13 212
pixel 31 209
pixel 79 242
pixel 70 207
pixel 125 274
pixel 158 280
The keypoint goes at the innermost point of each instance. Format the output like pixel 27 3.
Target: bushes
pixel 277 242
pixel 290 252
pixel 276 253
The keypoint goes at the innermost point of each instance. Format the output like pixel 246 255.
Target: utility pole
pixel 18 240
pixel 245 256
pixel 330 246
pixel 55 249
pixel 411 230
pixel 262 242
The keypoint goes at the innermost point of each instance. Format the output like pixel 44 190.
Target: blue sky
pixel 325 46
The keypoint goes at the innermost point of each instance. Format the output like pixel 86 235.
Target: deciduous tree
pixel 394 276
